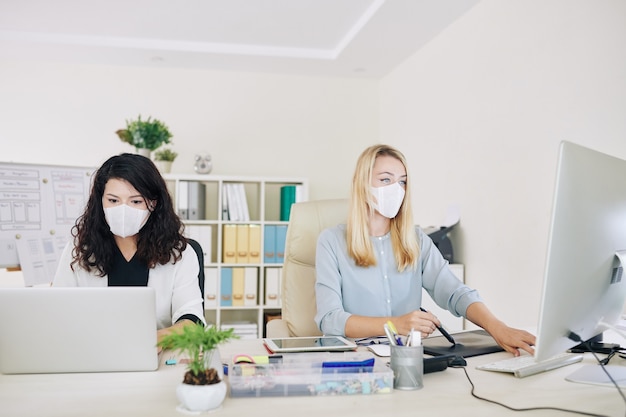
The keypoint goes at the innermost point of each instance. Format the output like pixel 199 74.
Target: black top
pixel 133 273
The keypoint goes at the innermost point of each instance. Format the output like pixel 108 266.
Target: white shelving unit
pixel 263 196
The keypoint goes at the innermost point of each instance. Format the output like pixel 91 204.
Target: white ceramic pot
pixel 165 167
pixel 143 152
pixel 201 397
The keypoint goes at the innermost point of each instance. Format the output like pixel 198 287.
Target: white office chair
pixel 306 221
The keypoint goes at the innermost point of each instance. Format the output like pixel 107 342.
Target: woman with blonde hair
pixel 372 269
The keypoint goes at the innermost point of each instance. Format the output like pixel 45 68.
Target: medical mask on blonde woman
pixel 388 199
pixel 124 220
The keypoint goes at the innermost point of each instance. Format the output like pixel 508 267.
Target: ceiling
pixel 353 38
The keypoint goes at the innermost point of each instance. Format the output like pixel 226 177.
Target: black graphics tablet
pixel 468 344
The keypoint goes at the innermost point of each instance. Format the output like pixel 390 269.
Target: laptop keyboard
pixel 525 365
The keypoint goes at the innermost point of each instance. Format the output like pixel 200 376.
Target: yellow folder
pixel 238 286
pixel 254 243
pixel 230 243
pixel 242 244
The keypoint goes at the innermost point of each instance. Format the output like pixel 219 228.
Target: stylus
pixel 443 331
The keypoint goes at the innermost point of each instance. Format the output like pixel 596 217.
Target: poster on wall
pixel 39 204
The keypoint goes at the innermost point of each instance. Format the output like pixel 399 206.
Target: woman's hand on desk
pixel 177 327
pixel 512 340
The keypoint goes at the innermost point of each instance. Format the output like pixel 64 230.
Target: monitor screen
pixel 584 289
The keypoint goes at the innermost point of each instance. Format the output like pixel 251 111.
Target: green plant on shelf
pixel 165 154
pixel 145 134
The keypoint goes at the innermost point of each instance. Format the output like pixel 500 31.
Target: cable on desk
pixel 521 409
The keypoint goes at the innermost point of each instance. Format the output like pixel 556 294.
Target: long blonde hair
pixel 403 238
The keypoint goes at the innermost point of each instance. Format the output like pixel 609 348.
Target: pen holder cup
pixel 407 363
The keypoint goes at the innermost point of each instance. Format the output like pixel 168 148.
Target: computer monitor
pixel 584 287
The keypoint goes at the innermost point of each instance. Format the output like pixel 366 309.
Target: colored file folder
pixel 238 286
pixel 230 243
pixel 210 287
pixel 269 244
pixel 272 287
pixel 250 286
pixel 196 198
pixel 226 287
pixel 183 199
pixel 281 236
pixel 202 234
pixel 254 243
pixel 287 198
pixel 242 244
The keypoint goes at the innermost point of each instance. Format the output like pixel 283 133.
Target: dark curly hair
pixel 159 241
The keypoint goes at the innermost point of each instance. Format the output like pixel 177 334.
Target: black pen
pixel 443 331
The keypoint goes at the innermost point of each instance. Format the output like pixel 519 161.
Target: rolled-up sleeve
pixel 442 285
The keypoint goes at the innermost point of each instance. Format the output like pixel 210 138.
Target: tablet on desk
pixel 308 344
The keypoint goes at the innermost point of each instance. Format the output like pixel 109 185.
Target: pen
pixel 409 338
pixel 394 331
pixel 443 331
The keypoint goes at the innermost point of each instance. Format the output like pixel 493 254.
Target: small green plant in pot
pixel 145 134
pixel 199 344
pixel 165 154
pixel 163 159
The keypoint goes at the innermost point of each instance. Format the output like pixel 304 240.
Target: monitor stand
pixel 594 375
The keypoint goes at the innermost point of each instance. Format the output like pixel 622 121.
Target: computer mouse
pixel 380 350
pixel 457 361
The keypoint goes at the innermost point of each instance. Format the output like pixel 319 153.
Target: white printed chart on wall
pixel 39 204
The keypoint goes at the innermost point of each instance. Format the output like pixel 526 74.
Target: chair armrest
pixel 277 328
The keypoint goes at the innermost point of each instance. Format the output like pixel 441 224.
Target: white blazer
pixel 176 285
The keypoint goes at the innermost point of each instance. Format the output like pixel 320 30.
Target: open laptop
pixel 59 330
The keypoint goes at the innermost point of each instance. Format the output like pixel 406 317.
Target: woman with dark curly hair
pixel 130 235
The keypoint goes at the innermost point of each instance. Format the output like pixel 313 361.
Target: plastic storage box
pixel 308 375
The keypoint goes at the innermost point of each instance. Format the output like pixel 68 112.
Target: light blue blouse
pixel 343 289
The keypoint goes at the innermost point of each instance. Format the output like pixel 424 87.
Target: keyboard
pixel 525 365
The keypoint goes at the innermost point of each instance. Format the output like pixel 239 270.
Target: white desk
pixel 447 393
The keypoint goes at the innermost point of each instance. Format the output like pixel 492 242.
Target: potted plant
pixel 146 135
pixel 163 159
pixel 202 388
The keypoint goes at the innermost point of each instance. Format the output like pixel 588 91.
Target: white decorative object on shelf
pixel 203 164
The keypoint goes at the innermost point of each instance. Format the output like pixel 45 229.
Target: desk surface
pixel 445 393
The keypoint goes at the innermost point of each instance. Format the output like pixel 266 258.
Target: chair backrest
pixel 200 254
pixel 306 221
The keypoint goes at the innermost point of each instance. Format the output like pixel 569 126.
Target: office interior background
pixel 478 110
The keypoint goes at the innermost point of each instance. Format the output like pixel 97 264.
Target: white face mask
pixel 388 199
pixel 124 220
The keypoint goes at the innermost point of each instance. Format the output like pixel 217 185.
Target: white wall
pixel 251 124
pixel 480 111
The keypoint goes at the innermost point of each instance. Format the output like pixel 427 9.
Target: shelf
pixel 242 280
